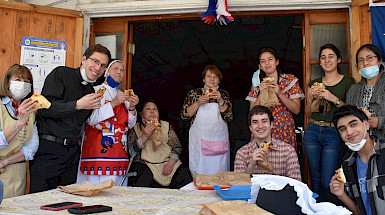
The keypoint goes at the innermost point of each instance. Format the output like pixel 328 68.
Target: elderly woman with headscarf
pixel 104 155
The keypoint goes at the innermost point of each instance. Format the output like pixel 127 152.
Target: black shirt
pixel 63 87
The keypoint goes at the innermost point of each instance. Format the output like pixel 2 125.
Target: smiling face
pixel 116 71
pixel 268 63
pixel 95 65
pixel 329 60
pixel 366 58
pixel 352 129
pixel 260 126
pixel 150 111
pixel 210 79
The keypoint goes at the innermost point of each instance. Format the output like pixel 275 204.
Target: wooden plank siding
pixel 20 19
pixel 361 28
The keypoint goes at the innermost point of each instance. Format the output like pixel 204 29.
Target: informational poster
pixel 41 56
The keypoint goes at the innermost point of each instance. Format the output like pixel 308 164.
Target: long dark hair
pixel 334 49
pixel 262 74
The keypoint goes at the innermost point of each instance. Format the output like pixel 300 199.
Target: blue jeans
pixel 323 148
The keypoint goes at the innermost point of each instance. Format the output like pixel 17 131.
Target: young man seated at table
pixel 363 165
pixel 281 159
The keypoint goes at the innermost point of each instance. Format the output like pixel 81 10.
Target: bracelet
pixel 15 126
pixel 132 109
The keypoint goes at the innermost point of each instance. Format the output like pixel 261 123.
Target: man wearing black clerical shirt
pixel 72 98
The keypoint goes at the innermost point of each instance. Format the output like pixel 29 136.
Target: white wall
pixel 65 4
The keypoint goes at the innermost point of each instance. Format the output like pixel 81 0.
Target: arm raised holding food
pixel 337 188
pixel 193 108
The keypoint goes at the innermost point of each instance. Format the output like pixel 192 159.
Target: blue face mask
pixel 255 80
pixel 369 72
pixel 111 82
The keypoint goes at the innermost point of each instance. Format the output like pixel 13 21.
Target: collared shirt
pixel 63 87
pixel 28 150
pixel 282 156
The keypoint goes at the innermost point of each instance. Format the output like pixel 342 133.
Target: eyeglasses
pixel 97 62
pixel 369 59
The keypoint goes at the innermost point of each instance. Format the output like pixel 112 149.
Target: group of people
pixel 340 111
pixel 63 151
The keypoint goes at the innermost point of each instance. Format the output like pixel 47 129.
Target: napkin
pixel 305 196
pixel 87 188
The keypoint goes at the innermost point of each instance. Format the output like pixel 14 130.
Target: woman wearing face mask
pixel 18 136
pixel 287 89
pixel 105 141
pixel 323 145
pixel 369 92
pixel 208 114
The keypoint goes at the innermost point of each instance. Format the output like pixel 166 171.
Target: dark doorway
pixel 171 55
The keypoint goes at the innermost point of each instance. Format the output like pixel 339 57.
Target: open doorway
pixel 171 55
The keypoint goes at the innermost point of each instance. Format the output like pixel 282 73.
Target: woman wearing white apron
pixel 209 110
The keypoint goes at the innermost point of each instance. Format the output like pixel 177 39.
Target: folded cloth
pixel 305 195
pixel 231 208
pixel 87 188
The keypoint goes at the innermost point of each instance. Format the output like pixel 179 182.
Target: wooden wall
pixel 20 19
pixel 361 28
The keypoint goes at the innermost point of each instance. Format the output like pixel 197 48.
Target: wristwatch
pixel 338 102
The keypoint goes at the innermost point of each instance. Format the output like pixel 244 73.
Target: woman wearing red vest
pixel 104 145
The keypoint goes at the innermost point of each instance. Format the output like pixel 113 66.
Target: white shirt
pixel 28 150
pixel 106 111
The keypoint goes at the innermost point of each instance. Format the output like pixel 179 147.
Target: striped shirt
pixel 282 156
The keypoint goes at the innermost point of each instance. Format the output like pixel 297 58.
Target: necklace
pixel 332 82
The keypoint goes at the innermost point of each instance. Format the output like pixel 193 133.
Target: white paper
pixel 41 56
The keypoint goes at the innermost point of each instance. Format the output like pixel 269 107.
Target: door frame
pixel 329 16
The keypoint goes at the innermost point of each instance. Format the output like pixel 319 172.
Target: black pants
pixel 145 178
pixel 54 164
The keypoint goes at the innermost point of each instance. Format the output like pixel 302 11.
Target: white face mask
pixel 357 146
pixel 84 75
pixel 19 89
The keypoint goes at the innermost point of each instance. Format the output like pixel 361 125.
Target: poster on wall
pixel 41 56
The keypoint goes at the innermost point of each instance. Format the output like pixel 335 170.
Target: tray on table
pixel 239 192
